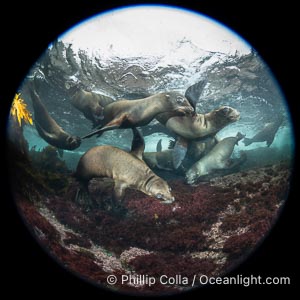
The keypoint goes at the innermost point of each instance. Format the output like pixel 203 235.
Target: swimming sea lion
pixel 197 126
pixel 267 134
pixel 218 158
pixel 91 104
pixel 128 170
pixel 201 125
pixel 159 160
pixel 134 113
pixel 47 127
pixel 200 147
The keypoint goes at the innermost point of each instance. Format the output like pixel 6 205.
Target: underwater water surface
pixel 234 167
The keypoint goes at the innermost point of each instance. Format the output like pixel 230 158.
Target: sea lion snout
pixel 179 103
pixel 165 197
pixel 185 110
pixel 227 114
pixel 168 201
pixel 234 115
pixel 161 191
pixel 231 113
pixel 73 142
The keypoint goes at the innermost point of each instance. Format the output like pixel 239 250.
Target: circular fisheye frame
pixel 150 148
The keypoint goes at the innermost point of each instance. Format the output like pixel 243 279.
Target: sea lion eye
pixel 179 99
pixel 158 196
pixel 226 110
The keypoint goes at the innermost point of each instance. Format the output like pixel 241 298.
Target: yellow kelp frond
pixel 19 110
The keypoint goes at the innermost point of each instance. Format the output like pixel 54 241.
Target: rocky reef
pixel 209 229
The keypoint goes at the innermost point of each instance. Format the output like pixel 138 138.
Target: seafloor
pixel 207 230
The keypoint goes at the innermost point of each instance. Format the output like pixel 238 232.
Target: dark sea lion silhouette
pixel 159 146
pixel 267 134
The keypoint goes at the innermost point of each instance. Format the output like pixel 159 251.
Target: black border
pixel 26 31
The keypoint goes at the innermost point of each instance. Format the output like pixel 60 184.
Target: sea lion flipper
pixel 100 131
pixel 118 193
pixel 239 137
pixel 114 124
pixel 60 152
pixel 179 152
pixel 138 144
pixel 158 146
pixel 247 141
pixel 194 92
pixel 44 134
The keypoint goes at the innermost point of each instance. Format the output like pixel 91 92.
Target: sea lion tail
pixel 247 141
pixel 159 146
pixel 239 137
pixel 97 131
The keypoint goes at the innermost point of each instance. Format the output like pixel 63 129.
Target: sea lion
pixel 134 113
pixel 128 170
pixel 159 160
pixel 197 148
pixel 91 104
pixel 267 134
pixel 218 158
pixel 200 147
pixel 201 125
pixel 195 127
pixel 47 127
pixel 163 160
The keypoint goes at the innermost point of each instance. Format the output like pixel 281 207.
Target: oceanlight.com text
pixel 244 280
pixel 196 280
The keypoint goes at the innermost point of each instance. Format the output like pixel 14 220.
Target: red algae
pixel 171 265
pixel 208 229
pixel 240 245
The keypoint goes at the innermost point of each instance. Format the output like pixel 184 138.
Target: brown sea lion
pixel 134 113
pixel 47 127
pixel 201 125
pixel 218 158
pixel 196 127
pixel 91 104
pixel 267 134
pixel 128 170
